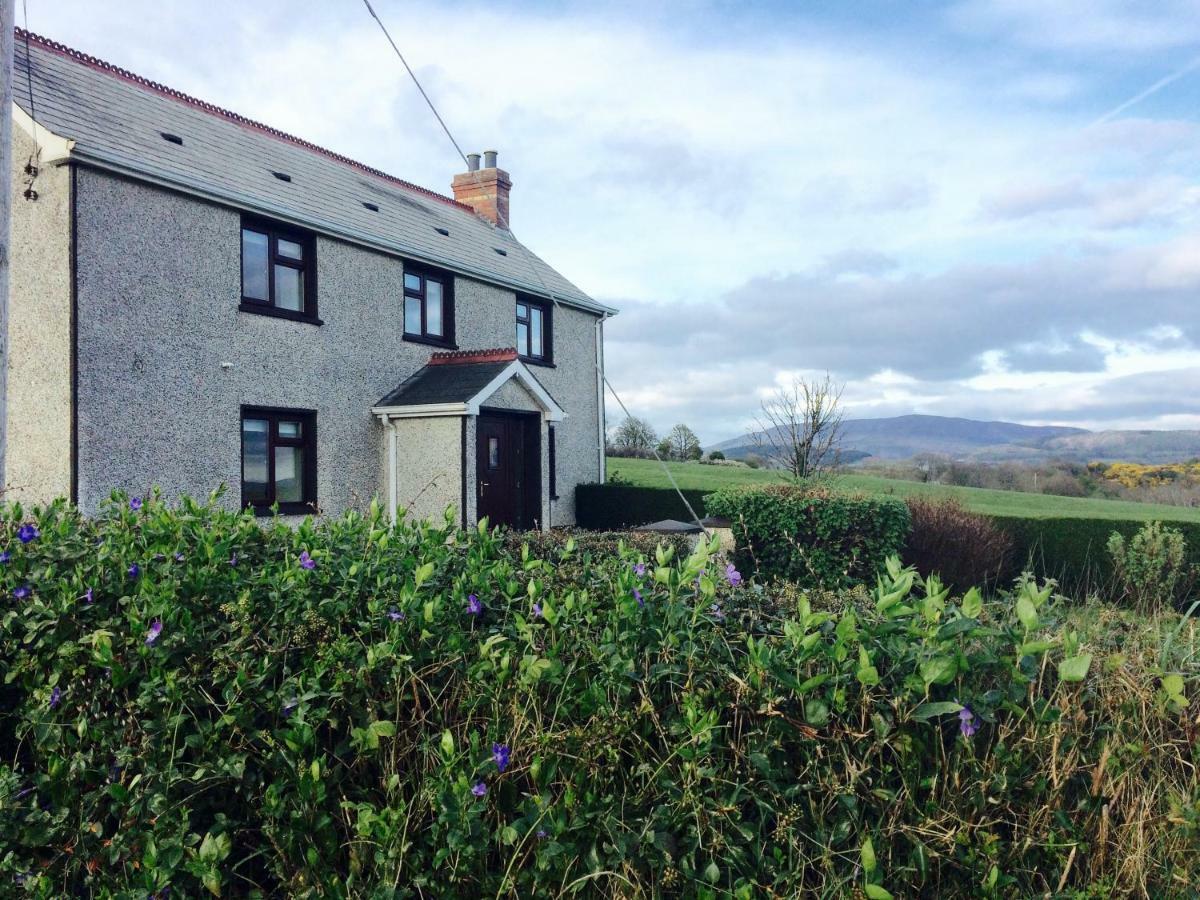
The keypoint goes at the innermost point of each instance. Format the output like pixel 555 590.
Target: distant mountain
pixel 903 437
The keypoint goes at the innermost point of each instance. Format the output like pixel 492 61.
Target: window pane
pixel 522 311
pixel 254 460
pixel 412 315
pixel 254 265
pixel 412 282
pixel 290 249
pixel 493 453
pixel 535 331
pixel 522 338
pixel 289 429
pixel 433 308
pixel 289 474
pixel 289 288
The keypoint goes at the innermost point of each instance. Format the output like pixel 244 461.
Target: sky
pixel 981 208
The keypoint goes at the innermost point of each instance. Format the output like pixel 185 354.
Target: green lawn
pixel 649 473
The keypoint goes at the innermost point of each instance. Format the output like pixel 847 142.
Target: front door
pixel 507 470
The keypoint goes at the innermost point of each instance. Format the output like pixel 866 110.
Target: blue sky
pixel 944 205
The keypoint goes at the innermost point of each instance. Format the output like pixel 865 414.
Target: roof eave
pixel 197 188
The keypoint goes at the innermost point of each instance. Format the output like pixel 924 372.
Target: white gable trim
pixel 515 370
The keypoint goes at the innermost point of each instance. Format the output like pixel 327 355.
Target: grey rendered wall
pixel 429 466
pixel 166 360
pixel 39 376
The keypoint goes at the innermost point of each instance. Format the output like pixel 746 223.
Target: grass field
pixel 648 473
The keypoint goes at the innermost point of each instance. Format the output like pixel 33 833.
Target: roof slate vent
pixel 282 176
pixel 172 138
pixel 445 232
pixel 501 252
pixel 373 207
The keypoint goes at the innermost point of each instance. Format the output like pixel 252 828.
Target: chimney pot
pixel 472 162
pixel 489 159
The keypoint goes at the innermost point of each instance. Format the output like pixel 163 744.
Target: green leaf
pixel 927 711
pixel 447 744
pixel 939 670
pixel 972 603
pixel 713 873
pixel 1173 685
pixel 1026 613
pixel 867 852
pixel 1075 668
pixel 1034 648
pixel 875 892
pixel 422 574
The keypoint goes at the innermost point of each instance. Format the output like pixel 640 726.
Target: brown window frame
pixel 546 358
pixel 446 280
pixel 307 440
pixel 308 266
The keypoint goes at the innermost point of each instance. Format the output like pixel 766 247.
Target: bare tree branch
pixel 800 427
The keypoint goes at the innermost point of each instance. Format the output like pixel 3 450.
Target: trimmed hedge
pixel 1074 551
pixel 608 507
pixel 813 537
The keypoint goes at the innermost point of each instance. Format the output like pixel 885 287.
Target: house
pixel 199 300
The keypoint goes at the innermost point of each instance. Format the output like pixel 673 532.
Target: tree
pixel 683 443
pixel 664 448
pixel 716 454
pixel 800 427
pixel 634 437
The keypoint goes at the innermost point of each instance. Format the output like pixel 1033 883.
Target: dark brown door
pixel 507 470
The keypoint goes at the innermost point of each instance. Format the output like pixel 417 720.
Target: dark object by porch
pixel 671 526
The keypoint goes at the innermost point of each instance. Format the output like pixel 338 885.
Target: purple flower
pixel 537 610
pixel 178 557
pixel 639 569
pixel 5 556
pixel 966 722
pixel 637 595
pixel 395 615
pixel 154 632
pixel 541 834
pixel 306 561
pixel 289 707
pixel 27 532
pixel 717 612
pixel 22 592
pixel 474 607
pixel 479 789
pixel 55 696
pixel 500 753
pixel 233 559
pixel 135 503
pixel 135 570
pixel 87 597
pixel 734 576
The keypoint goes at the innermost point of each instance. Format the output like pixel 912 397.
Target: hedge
pixel 812 536
pixel 1073 551
pixel 608 507
pixel 195 704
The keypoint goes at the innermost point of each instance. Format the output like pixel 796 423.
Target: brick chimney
pixel 485 189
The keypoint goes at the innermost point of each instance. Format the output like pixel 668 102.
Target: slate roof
pixel 118 120
pixel 454 383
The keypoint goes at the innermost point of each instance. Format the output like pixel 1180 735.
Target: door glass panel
pixel 535 332
pixel 289 288
pixel 289 429
pixel 433 308
pixel 412 315
pixel 493 453
pixel 254 460
pixel 522 338
pixel 290 249
pixel 289 468
pixel 254 265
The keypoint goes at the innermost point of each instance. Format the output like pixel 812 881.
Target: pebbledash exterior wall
pixel 166 360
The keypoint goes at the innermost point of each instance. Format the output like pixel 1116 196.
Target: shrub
pixel 716 454
pixel 613 506
pixel 269 711
pixel 814 537
pixel 963 547
pixel 1151 566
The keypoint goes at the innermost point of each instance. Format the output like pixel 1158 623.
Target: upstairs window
pixel 278 270
pixel 533 331
pixel 279 459
pixel 428 306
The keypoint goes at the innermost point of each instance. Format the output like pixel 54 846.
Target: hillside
pixel 903 437
pixel 649 473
